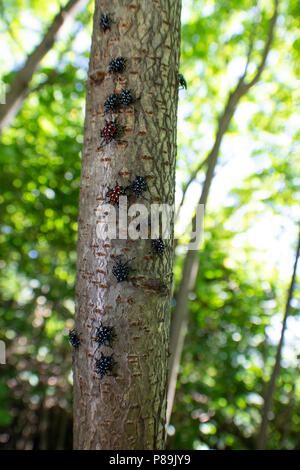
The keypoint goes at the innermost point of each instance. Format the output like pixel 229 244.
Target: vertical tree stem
pixel 262 436
pixel 128 410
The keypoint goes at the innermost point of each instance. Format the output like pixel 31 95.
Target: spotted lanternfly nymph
pixel 112 103
pixel 158 246
pixel 105 335
pixel 74 338
pixel 117 65
pixel 104 22
pixel 126 98
pixel 121 270
pixel 138 186
pixel 111 131
pixel 114 194
pixel 182 81
pixel 104 365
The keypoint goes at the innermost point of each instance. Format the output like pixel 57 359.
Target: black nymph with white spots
pixel 126 98
pixel 182 81
pixel 104 365
pixel 121 270
pixel 74 338
pixel 158 246
pixel 105 22
pixel 112 103
pixel 117 65
pixel 105 335
pixel 138 186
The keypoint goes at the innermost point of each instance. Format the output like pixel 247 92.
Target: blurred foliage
pixel 241 286
pixel 228 359
pixel 40 161
pixel 250 229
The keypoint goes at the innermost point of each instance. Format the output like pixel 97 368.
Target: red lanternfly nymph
pixel 111 131
pixel 122 270
pixel 114 194
pixel 105 335
pixel 105 21
pixel 138 186
pixel 158 246
pixel 74 338
pixel 182 81
pixel 112 103
pixel 104 365
pixel 126 98
pixel 117 65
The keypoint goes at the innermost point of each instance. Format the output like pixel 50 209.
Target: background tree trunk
pixel 262 435
pixel 191 262
pixel 127 411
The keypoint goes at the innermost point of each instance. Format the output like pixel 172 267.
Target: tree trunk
pixel 262 435
pixel 128 410
pixel 19 87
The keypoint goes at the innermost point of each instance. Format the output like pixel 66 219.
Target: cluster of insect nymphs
pixel 104 337
pixel 112 130
pixel 115 102
pixel 138 186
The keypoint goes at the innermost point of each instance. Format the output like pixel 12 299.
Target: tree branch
pixel 266 48
pixel 243 85
pixel 9 29
pixel 189 182
pixel 250 49
pixel 20 84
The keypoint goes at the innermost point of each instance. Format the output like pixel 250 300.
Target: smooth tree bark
pixel 191 262
pixel 262 435
pixel 18 90
pixel 128 410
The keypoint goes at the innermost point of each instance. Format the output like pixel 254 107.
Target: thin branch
pixel 262 436
pixel 242 85
pixel 186 186
pixel 9 30
pixel 50 80
pixel 53 75
pixel 250 49
pixel 21 81
pixel 266 48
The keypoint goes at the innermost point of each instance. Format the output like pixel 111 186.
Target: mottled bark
pixel 127 411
